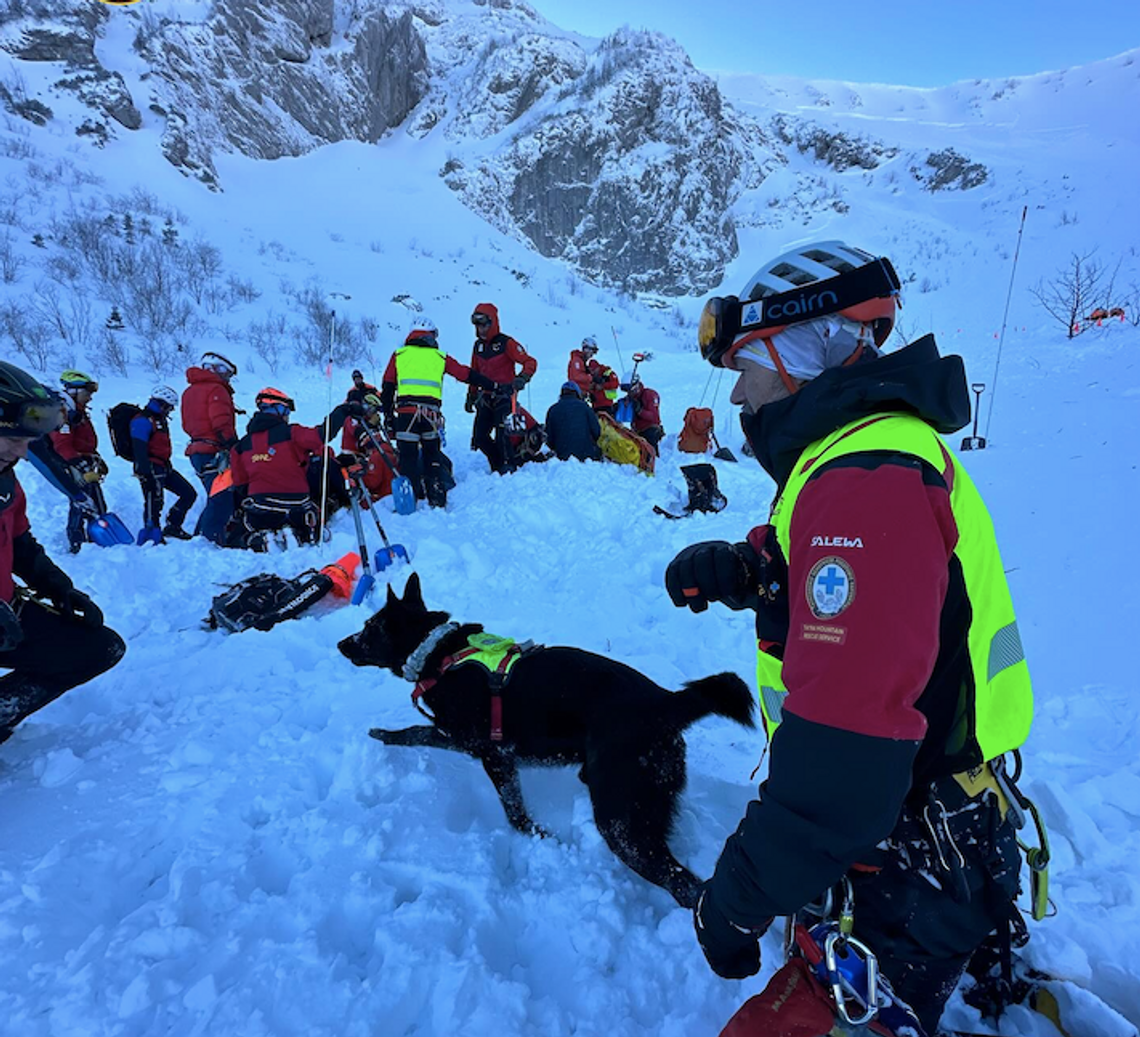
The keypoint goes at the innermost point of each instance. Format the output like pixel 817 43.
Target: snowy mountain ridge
pixel 616 156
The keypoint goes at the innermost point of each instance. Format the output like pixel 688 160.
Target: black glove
pixel 355 409
pixel 732 952
pixel 713 570
pixel 518 383
pixel 77 606
pixel 11 633
pixel 480 381
pixel 469 404
pixel 390 425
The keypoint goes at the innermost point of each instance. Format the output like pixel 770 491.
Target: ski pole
pixel 328 415
pixel 617 346
pixel 1004 319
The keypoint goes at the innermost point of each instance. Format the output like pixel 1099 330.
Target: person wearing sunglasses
pixel 52 636
pixel 891 674
pixel 505 361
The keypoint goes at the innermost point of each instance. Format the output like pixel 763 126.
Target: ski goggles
pixel 31 419
pixel 866 295
pixel 480 320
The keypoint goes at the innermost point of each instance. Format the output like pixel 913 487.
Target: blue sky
pixel 889 41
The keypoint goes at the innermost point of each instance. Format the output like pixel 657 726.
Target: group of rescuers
pixel 892 678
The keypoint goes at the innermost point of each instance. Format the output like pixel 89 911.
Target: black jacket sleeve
pixel 31 563
pixel 595 426
pixel 830 797
pixel 335 421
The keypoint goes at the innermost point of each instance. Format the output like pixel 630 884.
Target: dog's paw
pixel 379 734
pixel 539 831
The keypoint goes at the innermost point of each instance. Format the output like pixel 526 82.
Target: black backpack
pixel 265 600
pixel 119 424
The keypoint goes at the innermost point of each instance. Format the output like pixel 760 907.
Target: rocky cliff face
pixel 629 175
pixel 618 157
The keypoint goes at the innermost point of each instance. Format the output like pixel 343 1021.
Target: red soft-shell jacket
pixel 496 358
pixel 77 438
pixel 208 412
pixel 647 405
pixel 273 456
pixel 582 372
pixel 13 524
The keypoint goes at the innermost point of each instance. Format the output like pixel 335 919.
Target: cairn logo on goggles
pixel 818 541
pixel 802 306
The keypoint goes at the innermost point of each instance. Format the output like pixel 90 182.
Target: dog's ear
pixel 392 599
pixel 412 593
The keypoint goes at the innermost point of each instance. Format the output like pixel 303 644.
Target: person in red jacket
pixel 150 442
pixel 599 384
pixel 209 416
pixel 891 674
pixel 48 649
pixel 76 444
pixel 646 412
pixel 495 356
pixel 270 467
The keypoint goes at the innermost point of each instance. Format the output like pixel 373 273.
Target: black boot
pixel 176 532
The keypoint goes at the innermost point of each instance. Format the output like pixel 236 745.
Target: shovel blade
pixel 724 454
pixel 363 588
pixel 974 443
pixel 108 530
pixel 386 556
pixel 403 496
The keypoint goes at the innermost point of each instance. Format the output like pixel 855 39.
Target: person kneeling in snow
pixel 572 427
pixel 891 673
pixel 646 412
pixel 270 468
pixel 49 648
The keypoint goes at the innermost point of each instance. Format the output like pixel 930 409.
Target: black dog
pixel 558 706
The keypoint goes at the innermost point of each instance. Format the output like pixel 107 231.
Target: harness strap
pixel 498 678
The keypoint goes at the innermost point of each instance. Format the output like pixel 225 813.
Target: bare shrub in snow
pixel 1072 292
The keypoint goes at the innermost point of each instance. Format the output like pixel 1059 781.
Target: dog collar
pixel 415 662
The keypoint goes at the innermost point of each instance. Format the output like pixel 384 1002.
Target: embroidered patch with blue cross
pixel 830 587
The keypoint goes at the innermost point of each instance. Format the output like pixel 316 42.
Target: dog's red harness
pixel 498 676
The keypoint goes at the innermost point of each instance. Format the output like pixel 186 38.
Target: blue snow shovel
pixel 103 528
pixel 403 496
pixel 367 580
pixel 389 553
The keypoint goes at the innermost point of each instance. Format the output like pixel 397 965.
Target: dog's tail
pixel 724 694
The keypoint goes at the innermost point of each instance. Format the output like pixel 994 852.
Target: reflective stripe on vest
pixel 419 372
pixel 1003 695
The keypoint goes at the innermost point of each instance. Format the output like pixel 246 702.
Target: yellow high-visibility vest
pixel 419 372
pixel 997 719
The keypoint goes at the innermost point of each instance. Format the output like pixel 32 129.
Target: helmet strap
pixel 789 382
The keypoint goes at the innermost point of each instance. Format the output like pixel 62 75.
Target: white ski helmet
pixel 165 394
pixel 589 342
pixel 803 266
pixel 422 327
pixel 218 364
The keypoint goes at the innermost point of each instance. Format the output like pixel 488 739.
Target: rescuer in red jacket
pixel 77 445
pixel 49 648
pixel 646 412
pixel 495 356
pixel 891 675
pixel 599 383
pixel 209 416
pixel 271 468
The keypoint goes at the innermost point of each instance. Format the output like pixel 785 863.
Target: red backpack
pixel 696 433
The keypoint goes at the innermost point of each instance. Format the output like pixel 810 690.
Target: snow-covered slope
pixel 205 841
